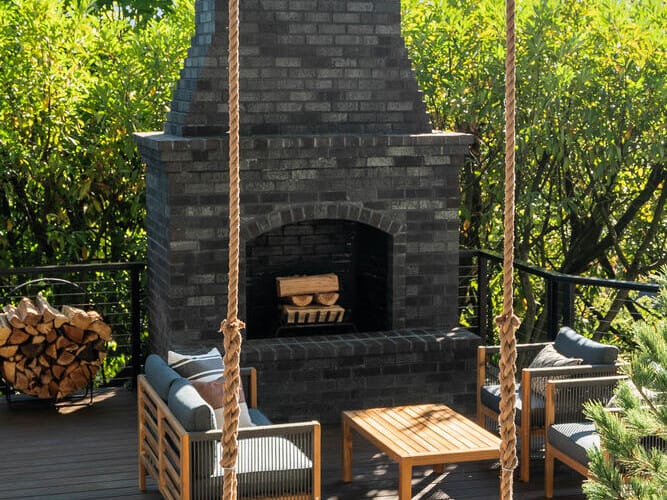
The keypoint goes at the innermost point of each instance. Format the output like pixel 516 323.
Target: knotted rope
pixel 507 321
pixel 231 327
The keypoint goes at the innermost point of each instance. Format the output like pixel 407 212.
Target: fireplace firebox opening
pixel 357 253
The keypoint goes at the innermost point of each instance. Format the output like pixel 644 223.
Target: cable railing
pixel 546 300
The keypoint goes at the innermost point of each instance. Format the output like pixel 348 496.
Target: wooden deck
pixel 89 452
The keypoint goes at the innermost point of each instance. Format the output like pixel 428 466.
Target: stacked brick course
pixel 317 378
pixel 306 67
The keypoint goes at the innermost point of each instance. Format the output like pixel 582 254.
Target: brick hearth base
pixel 318 377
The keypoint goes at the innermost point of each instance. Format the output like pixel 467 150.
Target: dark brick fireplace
pixel 340 172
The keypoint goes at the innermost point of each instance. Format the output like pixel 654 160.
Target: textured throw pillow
pixel 212 392
pixel 203 367
pixel 549 357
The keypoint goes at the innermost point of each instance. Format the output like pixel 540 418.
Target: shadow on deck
pixel 90 452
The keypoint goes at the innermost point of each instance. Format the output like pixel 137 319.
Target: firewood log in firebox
pixel 48 353
pixel 304 285
pixel 301 291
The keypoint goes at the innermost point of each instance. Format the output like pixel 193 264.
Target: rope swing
pixel 507 321
pixel 232 326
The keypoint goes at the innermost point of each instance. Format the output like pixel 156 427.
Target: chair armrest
pixel 249 380
pixel 279 429
pixel 487 373
pixel 531 377
pixel 492 349
pixel 565 398
pixel 289 431
pixel 572 371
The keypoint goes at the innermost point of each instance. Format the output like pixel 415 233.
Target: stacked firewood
pixel 310 299
pixel 50 353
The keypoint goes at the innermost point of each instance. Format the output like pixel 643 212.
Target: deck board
pixel 90 452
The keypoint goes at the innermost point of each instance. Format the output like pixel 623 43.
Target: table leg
pixel 404 480
pixel 347 451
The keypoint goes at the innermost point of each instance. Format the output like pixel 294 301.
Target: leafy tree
pixel 76 85
pixel 591 103
pixel 634 439
pixel 140 11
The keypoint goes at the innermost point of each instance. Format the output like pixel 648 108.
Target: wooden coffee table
pixel 428 434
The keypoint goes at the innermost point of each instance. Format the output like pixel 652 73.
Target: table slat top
pixel 425 432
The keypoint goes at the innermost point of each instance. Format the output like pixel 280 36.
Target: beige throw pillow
pixel 213 391
pixel 549 357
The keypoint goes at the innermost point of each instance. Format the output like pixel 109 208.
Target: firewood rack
pixel 318 320
pixel 14 397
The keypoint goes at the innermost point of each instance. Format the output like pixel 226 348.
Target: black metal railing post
pixel 567 303
pixel 136 324
pixel 552 308
pixel 559 301
pixel 483 300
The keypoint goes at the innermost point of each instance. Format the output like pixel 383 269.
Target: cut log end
pixel 327 298
pixel 300 300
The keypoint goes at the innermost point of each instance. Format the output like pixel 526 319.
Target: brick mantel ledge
pixel 356 344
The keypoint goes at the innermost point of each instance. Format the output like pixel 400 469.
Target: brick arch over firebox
pixel 364 247
pixel 340 210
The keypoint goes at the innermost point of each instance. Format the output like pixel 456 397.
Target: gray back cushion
pixel 160 375
pixel 189 407
pixel 569 343
pixel 491 399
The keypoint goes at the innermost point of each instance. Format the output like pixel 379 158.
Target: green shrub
pixel 76 85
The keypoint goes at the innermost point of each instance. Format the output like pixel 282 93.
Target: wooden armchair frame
pixel 527 377
pixel 175 458
pixel 564 404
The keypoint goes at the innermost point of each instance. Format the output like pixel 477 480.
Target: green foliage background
pixel 591 121
pixel 77 79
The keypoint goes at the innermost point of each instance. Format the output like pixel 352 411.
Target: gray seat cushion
pixel 569 343
pixel 574 439
pixel 160 375
pixel 267 467
pixel 273 465
pixel 189 407
pixel 490 396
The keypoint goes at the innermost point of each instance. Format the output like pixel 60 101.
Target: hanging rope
pixel 507 321
pixel 232 326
